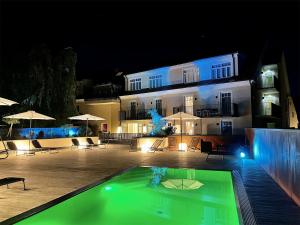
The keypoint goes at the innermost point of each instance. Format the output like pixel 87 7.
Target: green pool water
pixel 149 196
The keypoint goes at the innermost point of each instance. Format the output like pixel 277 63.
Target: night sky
pixel 127 36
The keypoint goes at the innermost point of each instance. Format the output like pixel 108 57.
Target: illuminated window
pixel 155 81
pixel 221 71
pixel 135 84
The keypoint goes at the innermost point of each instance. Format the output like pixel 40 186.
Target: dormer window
pixel 135 84
pixel 221 70
pixel 155 81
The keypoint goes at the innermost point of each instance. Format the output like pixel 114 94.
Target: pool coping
pixel 245 213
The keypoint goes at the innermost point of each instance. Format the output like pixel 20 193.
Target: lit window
pixel 221 70
pixel 135 84
pixel 155 81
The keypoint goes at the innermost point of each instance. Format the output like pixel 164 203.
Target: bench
pixel 9 180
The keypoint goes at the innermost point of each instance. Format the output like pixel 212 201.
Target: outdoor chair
pixel 133 145
pixel 206 147
pixel 9 180
pixel 76 143
pixel 3 154
pixel 12 146
pixel 193 145
pixel 36 144
pixel 155 145
pixel 92 144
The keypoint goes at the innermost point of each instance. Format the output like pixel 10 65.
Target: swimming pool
pixel 147 196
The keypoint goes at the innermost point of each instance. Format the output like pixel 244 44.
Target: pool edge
pixel 245 212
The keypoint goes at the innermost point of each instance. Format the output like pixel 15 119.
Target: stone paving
pixel 49 176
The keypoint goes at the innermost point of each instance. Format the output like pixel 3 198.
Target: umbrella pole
pixel 86 129
pixel 180 131
pixel 29 135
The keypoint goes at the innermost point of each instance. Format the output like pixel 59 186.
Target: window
pixel 221 71
pixel 226 127
pixel 155 81
pixel 135 84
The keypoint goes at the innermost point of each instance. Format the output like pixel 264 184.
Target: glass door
pixel 132 110
pixel 188 104
pixel 158 106
pixel 226 104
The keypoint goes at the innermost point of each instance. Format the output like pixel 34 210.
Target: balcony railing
pixel 270 109
pixel 211 110
pixel 139 114
pixel 271 83
pixel 216 110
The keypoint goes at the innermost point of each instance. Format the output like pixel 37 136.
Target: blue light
pixel 242 155
pixel 107 188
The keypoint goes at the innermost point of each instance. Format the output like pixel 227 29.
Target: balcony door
pixel 189 104
pixel 133 110
pixel 226 127
pixel 225 103
pixel 158 106
pixel 188 75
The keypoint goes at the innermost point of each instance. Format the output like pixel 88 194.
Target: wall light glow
pixel 119 129
pixel 182 146
pixel 146 146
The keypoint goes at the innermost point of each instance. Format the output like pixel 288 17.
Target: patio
pixel 49 176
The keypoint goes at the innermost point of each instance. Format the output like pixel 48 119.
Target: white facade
pixel 206 88
pixel 200 70
pixel 203 101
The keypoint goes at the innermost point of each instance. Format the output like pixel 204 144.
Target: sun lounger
pixel 36 144
pixel 12 146
pixel 3 154
pixel 206 147
pixel 91 143
pixel 76 143
pixel 9 180
pixel 194 144
pixel 155 145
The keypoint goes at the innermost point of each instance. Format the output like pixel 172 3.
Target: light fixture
pixel 242 155
pixel 182 147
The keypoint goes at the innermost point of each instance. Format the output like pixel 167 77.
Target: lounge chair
pixel 76 143
pixel 92 144
pixel 193 144
pixel 9 180
pixel 133 145
pixel 155 145
pixel 206 147
pixel 36 144
pixel 4 152
pixel 12 146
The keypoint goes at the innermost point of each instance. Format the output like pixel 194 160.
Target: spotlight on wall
pixel 242 155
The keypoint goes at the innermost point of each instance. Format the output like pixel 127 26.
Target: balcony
pixel 270 109
pixel 211 110
pixel 139 114
pixel 266 83
pixel 215 110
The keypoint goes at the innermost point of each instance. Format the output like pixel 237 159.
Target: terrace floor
pixel 49 176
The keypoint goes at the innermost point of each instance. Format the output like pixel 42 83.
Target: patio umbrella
pixel 29 115
pixel 182 184
pixel 181 116
pixel 86 117
pixel 4 101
